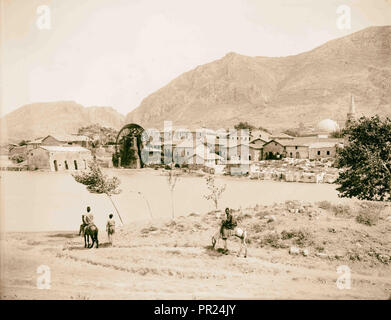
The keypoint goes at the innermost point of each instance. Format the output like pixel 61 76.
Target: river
pixel 49 201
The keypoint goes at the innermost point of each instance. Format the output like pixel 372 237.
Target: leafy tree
pixel 366 160
pixel 99 183
pixel 23 143
pixel 337 134
pixel 244 125
pixel 292 132
pixel 215 191
pixel 99 135
pixel 18 158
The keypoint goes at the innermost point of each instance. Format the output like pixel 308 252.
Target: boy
pixel 110 228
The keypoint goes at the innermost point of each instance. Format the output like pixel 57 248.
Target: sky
pixel 116 52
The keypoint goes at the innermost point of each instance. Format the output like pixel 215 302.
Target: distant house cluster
pixel 210 148
pixel 55 152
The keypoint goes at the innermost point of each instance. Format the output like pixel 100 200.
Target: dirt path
pixel 148 269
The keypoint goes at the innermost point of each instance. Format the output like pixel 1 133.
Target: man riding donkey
pixel 86 219
pixel 89 229
pixel 229 229
pixel 227 225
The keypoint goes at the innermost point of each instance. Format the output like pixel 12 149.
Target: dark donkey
pixel 91 231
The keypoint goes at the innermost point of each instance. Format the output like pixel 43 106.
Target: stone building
pixel 274 149
pixel 65 139
pixel 59 158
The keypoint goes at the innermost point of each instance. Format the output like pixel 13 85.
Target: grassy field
pixel 173 259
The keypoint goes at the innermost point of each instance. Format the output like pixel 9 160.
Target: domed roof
pixel 327 125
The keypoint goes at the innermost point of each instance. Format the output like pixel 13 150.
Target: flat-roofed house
pixel 319 150
pixel 65 139
pixel 34 144
pixel 59 158
pixel 295 149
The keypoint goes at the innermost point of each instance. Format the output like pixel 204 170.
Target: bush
pixel 342 210
pixel 326 205
pixel 167 167
pixel 177 165
pixel 300 237
pixel 18 158
pixel 272 239
pixel 367 216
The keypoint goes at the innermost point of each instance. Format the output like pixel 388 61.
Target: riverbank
pixel 169 259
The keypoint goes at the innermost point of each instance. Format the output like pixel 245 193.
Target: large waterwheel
pixel 129 144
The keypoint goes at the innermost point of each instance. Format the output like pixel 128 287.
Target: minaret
pixel 351 116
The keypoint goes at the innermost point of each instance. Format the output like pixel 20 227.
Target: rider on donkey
pixel 87 219
pixel 228 223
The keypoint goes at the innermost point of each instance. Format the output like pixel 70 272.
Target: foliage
pixel 23 143
pixel 215 191
pixel 18 158
pixel 127 152
pixel 366 160
pixel 115 159
pixel 99 135
pixel 292 132
pixel 96 181
pixel 244 125
pixel 368 217
pixel 337 134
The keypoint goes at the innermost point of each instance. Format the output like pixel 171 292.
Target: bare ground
pixel 173 259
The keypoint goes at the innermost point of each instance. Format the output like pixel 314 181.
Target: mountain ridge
pixel 278 92
pixel 62 117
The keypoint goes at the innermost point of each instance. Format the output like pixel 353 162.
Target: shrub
pixel 300 237
pixel 272 239
pixel 341 210
pixel 326 205
pixel 367 216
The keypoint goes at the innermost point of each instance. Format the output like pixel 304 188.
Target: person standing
pixel 110 228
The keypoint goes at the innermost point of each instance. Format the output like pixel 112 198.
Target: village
pixel 254 153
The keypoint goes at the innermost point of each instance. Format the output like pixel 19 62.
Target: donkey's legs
pixel 225 245
pixel 96 239
pixel 245 244
pixel 241 247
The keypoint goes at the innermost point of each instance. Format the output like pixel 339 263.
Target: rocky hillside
pixel 39 119
pixel 279 92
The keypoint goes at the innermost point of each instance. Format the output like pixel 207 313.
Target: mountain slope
pixel 39 119
pixel 279 92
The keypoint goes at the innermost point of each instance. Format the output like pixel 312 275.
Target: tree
pixel 215 191
pixel 99 183
pixel 337 134
pixel 23 143
pixel 366 160
pixel 244 125
pixel 172 179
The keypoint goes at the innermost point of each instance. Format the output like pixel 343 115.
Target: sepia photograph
pixel 195 150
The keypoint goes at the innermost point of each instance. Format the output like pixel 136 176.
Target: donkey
pixel 237 232
pixel 91 231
